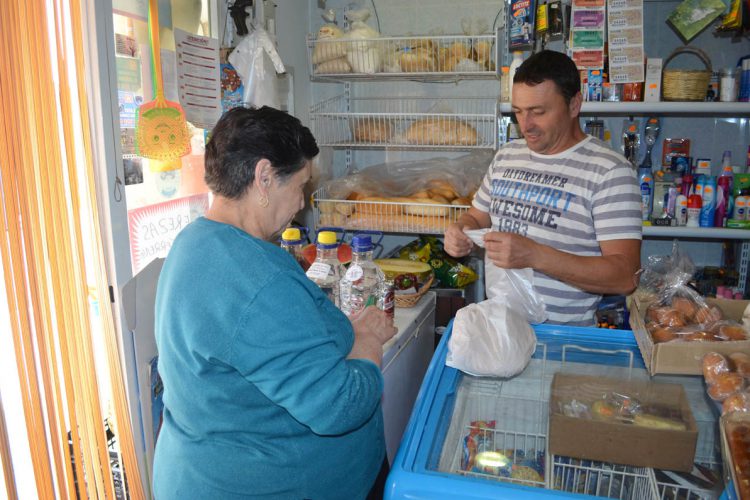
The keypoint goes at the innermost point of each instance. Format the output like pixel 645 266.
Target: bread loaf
pixel 441 131
pixel 417 60
pixel 411 223
pixel 372 129
pixel 334 66
pixel 327 47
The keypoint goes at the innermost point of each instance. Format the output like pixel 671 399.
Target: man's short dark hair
pixel 244 136
pixel 551 65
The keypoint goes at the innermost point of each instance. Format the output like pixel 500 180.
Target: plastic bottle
pixel 359 285
pixel 514 64
pixel 740 208
pixel 728 85
pixel 681 210
pixel 292 242
pixel 744 92
pixel 723 191
pixel 708 208
pixel 326 271
pixel 505 84
pixel 694 210
pixel 646 182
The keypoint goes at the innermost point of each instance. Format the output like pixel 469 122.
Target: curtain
pixel 53 261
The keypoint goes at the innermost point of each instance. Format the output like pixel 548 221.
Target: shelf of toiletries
pixel 659 108
pixel 703 233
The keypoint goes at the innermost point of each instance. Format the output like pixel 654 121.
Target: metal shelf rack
pixel 393 217
pixel 452 123
pixel 422 58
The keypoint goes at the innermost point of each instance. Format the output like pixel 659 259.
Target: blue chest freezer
pixel 455 410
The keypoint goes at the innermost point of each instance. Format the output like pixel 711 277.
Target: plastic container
pixel 681 210
pixel 646 183
pixel 727 85
pixel 708 208
pixel 694 210
pixel 359 284
pixel 326 271
pixel 505 84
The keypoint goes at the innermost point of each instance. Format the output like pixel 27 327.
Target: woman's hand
pixel 372 329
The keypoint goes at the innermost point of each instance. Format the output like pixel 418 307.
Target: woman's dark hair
pixel 550 65
pixel 244 136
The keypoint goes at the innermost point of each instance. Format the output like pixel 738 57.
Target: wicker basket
pixel 686 85
pixel 410 300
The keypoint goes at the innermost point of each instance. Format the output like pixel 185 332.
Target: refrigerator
pixel 450 405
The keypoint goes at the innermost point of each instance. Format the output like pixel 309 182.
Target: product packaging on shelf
pixel 630 422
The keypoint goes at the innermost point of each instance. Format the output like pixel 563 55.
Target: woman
pixel 269 390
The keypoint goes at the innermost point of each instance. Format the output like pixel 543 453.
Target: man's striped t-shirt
pixel 570 201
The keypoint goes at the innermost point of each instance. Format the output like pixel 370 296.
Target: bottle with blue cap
pixel 359 285
pixel 326 271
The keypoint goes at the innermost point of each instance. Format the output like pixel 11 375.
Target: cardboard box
pixel 684 358
pixel 615 441
pixel 653 80
pixel 728 424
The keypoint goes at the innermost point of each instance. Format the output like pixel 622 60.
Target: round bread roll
pixel 673 318
pixel 417 60
pixel 661 335
pixel 462 201
pixel 724 385
pixel 741 362
pixel 701 336
pixel 459 50
pixel 739 401
pixel 714 364
pixel 686 306
pixel 708 314
pixel 732 332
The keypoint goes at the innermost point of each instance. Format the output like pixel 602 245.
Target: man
pixel 558 201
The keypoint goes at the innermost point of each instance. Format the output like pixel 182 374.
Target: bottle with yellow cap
pixel 326 271
pixel 292 242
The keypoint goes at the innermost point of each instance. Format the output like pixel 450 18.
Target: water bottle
pixel 359 287
pixel 326 271
pixel 292 242
pixel 646 182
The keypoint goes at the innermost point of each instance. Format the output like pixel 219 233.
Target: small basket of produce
pixel 686 84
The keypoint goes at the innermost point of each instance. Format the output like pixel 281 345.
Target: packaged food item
pixel 741 362
pixel 714 364
pixel 739 401
pixel 724 385
pixel 449 272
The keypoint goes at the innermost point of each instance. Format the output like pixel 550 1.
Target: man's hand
pixel 457 244
pixel 510 251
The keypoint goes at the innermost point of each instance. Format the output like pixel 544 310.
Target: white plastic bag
pixel 515 286
pixel 257 62
pixel 490 339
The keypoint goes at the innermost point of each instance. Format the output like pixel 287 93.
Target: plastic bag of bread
pixel 328 45
pixel 441 179
pixel 364 52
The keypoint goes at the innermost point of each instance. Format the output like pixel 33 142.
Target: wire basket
pixel 411 299
pixel 686 84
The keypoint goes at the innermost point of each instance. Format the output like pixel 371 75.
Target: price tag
pixel 318 271
pixel 354 273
